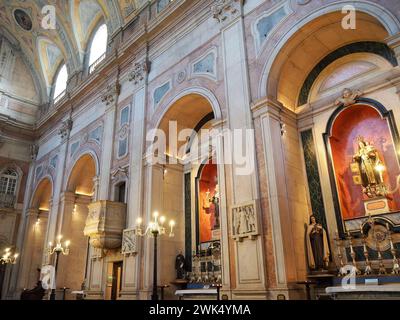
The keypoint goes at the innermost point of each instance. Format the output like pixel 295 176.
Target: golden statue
pixel 371 169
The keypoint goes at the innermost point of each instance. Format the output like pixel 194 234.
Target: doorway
pixel 114 280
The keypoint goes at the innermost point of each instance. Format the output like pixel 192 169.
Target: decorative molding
pixel 206 65
pixel 120 173
pixel 226 10
pixel 65 129
pixel 129 242
pixel 139 72
pixel 111 93
pixel 348 97
pixel 161 91
pixel 245 221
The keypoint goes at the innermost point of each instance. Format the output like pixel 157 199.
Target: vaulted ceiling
pixel 43 50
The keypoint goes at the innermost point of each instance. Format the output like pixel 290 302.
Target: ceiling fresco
pixel 44 50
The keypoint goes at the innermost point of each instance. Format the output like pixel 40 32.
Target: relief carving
pixel 245 221
pixel 348 97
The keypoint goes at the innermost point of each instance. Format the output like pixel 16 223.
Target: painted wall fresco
pixel 353 122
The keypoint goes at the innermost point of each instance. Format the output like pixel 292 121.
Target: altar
pixel 365 292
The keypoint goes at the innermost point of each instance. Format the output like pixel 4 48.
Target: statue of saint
pixel 317 246
pixel 370 167
pixel 180 266
pixel 215 202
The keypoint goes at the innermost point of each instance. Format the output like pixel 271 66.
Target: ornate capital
pixel 349 97
pixel 225 10
pixel 111 93
pixel 139 72
pixel 65 129
pixel 120 173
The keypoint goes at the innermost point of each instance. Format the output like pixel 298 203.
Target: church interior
pixel 199 149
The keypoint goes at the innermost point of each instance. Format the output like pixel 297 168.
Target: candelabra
pixel 8 257
pixel 368 267
pixel 57 249
pixel 154 229
pixel 396 267
pixel 353 254
pixel 342 271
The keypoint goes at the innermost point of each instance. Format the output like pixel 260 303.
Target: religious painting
pixel 365 162
pixel 208 204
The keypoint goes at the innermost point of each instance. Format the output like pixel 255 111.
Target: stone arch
pixel 270 73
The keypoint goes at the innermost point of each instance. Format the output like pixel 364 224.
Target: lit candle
pixel 155 216
pixel 172 224
pixel 67 243
pixel 162 220
pixel 139 221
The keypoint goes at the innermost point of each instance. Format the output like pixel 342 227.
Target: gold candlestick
pixel 353 254
pixel 396 267
pixel 342 271
pixel 368 267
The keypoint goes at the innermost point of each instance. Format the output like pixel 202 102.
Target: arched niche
pixel 74 205
pixel 37 222
pixel 369 119
pixel 317 41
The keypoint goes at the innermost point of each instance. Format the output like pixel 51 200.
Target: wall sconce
pixel 283 128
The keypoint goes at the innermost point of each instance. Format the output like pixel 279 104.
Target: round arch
pixel 203 92
pixel 82 157
pixel 381 14
pixel 43 192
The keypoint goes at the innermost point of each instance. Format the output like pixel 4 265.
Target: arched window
pixel 8 188
pixel 60 83
pixel 98 47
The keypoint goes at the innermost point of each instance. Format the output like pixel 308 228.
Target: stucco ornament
pixel 348 97
pixel 224 10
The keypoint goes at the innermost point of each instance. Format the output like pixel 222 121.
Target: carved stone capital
pixel 119 174
pixel 139 72
pixel 111 93
pixel 226 10
pixel 65 129
pixel 349 97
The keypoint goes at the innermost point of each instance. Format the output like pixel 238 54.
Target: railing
pixel 58 98
pixel 94 65
pixel 7 200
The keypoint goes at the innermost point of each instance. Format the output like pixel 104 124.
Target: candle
pixel 172 224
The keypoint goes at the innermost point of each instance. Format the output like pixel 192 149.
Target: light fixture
pixel 57 249
pixel 8 257
pixel 154 229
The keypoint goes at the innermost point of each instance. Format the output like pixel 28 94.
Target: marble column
pixel 110 99
pixel 248 253
pixel 138 79
pixel 21 237
pixel 153 197
pixel 96 264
